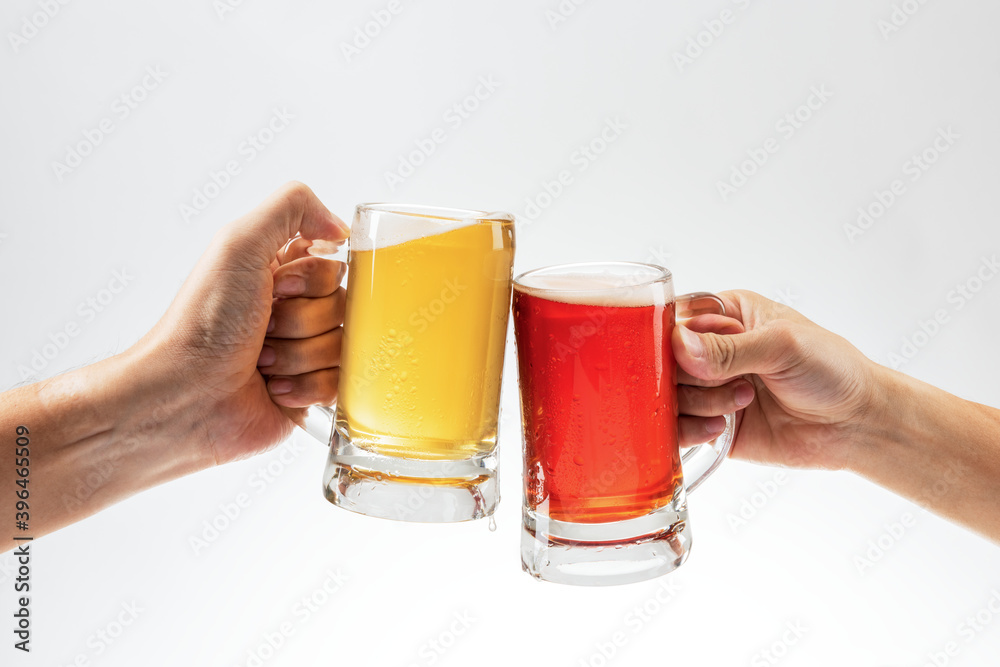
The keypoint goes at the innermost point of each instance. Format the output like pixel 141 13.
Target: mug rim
pixel 434 212
pixel 660 275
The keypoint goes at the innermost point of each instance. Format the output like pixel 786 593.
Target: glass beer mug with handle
pixel 604 479
pixel 414 432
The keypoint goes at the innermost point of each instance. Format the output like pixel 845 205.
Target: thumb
pixel 293 209
pixel 766 350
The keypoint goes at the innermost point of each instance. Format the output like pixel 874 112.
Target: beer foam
pixel 606 290
pixel 389 227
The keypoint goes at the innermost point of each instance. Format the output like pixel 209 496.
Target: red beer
pixel 599 405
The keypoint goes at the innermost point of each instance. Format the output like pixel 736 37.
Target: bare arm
pixel 95 436
pixel 936 449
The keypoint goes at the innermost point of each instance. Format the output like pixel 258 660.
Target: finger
pixel 293 209
pixel 305 318
pixel 685 378
pixel 309 276
pixel 294 249
pixel 719 324
pixel 696 430
pixel 298 391
pixel 714 401
pixel 281 356
pixel 769 349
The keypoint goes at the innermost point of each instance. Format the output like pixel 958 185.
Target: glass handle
pixel 701 461
pixel 318 420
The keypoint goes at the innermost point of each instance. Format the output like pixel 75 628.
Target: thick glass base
pixel 605 554
pixel 405 489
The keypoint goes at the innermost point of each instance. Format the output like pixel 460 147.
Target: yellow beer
pixel 424 334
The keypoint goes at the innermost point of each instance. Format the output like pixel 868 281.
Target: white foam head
pixel 381 225
pixel 615 284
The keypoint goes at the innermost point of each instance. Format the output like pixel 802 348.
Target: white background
pixel 651 195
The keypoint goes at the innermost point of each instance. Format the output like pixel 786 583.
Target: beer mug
pixel 413 436
pixel 604 487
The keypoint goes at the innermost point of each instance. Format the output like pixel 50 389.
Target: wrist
pixel 157 414
pixel 882 427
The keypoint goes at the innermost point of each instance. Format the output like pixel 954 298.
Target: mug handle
pixel 319 420
pixel 701 461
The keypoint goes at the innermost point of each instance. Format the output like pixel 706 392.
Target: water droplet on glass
pixel 493 524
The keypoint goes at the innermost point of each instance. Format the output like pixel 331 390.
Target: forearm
pixel 936 449
pixel 97 435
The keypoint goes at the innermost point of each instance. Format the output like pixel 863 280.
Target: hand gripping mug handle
pixel 701 461
pixel 319 420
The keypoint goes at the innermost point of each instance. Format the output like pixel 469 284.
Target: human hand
pixel 813 389
pixel 254 334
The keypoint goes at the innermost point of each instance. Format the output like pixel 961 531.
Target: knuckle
pixel 295 190
pixel 722 352
pixel 786 336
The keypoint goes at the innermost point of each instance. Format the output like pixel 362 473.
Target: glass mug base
pixel 403 489
pixel 605 554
